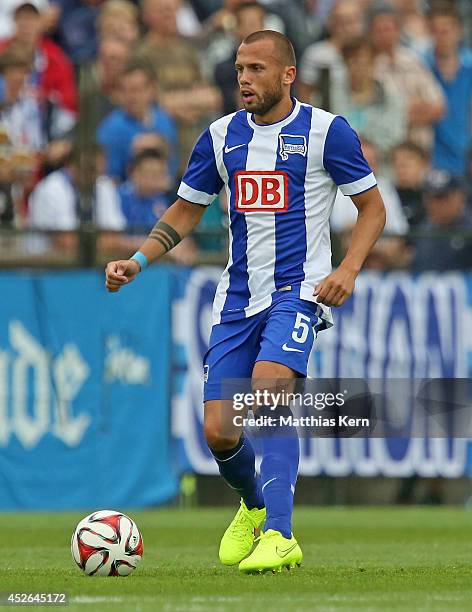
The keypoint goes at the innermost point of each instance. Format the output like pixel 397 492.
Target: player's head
pixel 265 64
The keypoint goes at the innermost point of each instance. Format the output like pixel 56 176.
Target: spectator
pixel 454 73
pixel 144 195
pixel 119 19
pixel 77 30
pixel 188 23
pixel 99 83
pixel 345 24
pixel 366 101
pixel 56 204
pixel 389 252
pixel 7 9
pixel 20 110
pixel 144 198
pixel 410 166
pixel 138 114
pixel 446 240
pixel 218 32
pixel 414 26
pixel 249 19
pixel 183 92
pixel 7 208
pixel 52 73
pixel 298 21
pixel 412 79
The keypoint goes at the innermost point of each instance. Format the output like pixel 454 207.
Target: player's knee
pixel 217 439
pixel 272 389
pixel 272 380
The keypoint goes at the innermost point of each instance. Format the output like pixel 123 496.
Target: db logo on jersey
pixel 261 191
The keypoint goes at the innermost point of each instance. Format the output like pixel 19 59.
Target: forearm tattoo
pixel 166 235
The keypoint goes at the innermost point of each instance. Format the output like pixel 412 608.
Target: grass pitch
pixel 354 559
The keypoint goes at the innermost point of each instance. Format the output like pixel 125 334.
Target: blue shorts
pixel 283 333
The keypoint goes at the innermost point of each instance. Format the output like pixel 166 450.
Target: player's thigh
pixel 288 335
pixel 231 354
pixel 275 378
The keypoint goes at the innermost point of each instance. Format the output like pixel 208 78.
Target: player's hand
pixel 119 273
pixel 336 288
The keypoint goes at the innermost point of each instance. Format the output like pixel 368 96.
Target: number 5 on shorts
pixel 301 328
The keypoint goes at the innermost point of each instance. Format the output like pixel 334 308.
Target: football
pixel 107 543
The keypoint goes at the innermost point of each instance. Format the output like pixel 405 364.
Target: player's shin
pixel 237 467
pixel 279 468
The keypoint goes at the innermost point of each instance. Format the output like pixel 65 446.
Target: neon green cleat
pixel 238 539
pixel 272 554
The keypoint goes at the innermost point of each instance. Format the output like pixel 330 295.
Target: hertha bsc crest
pixel 292 145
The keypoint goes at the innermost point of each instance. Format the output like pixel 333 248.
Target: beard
pixel 265 102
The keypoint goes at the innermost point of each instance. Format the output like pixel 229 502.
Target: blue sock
pixel 279 469
pixel 237 466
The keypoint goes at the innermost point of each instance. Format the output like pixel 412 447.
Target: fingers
pixel 115 276
pixel 331 293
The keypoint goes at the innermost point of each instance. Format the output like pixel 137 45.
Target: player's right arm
pixel 200 186
pixel 177 222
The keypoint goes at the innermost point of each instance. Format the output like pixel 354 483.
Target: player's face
pixel 260 77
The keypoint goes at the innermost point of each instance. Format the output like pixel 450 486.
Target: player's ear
pixel 290 75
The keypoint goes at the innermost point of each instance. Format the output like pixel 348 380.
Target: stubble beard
pixel 266 102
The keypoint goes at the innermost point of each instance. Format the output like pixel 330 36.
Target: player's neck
pixel 276 113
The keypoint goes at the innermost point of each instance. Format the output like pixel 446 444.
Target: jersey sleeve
pixel 201 182
pixel 344 161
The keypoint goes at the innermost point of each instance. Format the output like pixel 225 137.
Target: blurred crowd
pixel 102 100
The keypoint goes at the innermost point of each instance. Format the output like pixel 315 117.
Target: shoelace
pixel 241 520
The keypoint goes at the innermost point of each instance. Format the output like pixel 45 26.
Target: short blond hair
pixel 121 8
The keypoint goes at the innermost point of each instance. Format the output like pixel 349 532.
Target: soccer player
pixel 281 163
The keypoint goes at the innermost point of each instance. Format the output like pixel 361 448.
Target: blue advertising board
pixel 101 395
pixel 394 326
pixel 84 392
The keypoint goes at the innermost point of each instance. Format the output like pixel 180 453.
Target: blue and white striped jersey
pixel 281 181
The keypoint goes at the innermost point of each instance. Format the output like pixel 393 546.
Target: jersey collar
pixel 279 124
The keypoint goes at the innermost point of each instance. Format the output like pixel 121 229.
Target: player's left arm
pixel 344 160
pixel 336 288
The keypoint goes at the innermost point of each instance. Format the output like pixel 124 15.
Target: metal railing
pixel 89 247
